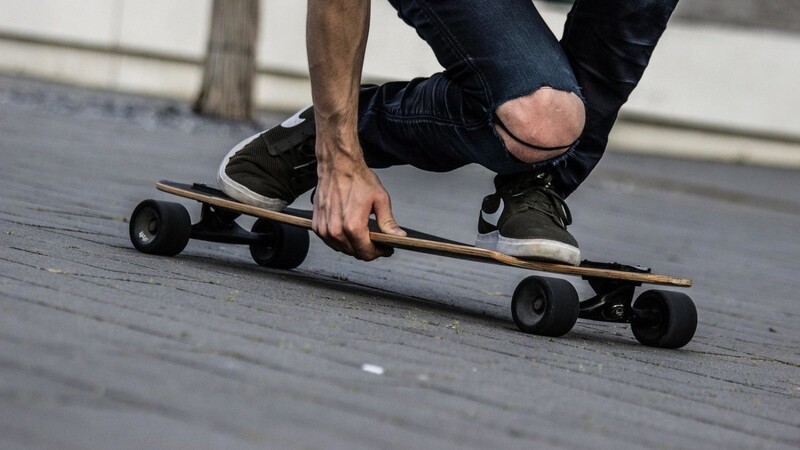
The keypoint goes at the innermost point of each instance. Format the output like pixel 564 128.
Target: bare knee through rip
pixel 549 119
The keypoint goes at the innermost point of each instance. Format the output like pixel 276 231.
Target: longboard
pixel 165 228
pixel 418 241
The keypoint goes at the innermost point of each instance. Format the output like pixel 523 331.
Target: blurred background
pixel 721 85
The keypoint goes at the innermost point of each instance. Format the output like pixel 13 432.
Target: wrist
pixel 338 147
pixel 341 164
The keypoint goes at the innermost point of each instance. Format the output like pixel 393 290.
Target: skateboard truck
pixel 219 225
pixel 613 299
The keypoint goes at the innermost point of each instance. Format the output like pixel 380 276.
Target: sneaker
pixel 271 169
pixel 527 219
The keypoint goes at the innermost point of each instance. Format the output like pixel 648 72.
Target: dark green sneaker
pixel 271 169
pixel 527 219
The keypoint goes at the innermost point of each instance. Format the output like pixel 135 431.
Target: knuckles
pixel 353 229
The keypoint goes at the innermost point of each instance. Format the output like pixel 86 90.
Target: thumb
pixel 384 217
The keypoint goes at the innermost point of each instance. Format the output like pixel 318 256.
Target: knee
pixel 546 118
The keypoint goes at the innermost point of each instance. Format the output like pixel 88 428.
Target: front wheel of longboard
pixel 664 319
pixel 160 228
pixel 545 306
pixel 285 248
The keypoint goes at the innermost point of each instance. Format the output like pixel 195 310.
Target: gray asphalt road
pixel 104 347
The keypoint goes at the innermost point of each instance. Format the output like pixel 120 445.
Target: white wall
pixel 174 27
pixel 740 79
pixel 704 75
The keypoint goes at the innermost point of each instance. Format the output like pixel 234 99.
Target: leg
pixel 507 100
pixel 516 74
pixel 609 43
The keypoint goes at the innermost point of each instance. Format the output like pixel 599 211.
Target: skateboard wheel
pixel 545 306
pixel 664 319
pixel 160 228
pixel 286 247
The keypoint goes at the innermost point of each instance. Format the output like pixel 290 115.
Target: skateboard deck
pixel 540 305
pixel 426 243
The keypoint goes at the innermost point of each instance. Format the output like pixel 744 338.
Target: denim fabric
pixel 609 44
pixel 493 51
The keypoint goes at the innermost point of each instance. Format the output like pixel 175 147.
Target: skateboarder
pixel 511 97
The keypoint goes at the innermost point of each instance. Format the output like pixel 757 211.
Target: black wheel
pixel 545 306
pixel 286 248
pixel 664 319
pixel 160 228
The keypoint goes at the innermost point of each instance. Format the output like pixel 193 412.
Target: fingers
pixel 351 235
pixel 359 236
pixel 385 218
pixel 352 240
pixel 331 232
pixel 342 206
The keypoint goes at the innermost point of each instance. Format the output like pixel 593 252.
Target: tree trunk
pixel 230 66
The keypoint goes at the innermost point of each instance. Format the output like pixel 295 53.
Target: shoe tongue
pixel 521 180
pixel 281 140
pixel 294 131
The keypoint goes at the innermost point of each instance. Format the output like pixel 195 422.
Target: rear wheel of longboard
pixel 545 306
pixel 160 228
pixel 286 248
pixel 664 319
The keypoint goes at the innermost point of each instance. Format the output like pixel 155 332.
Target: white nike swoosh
pixel 295 120
pixel 492 218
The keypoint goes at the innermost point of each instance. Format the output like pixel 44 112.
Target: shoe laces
pixel 546 201
pixel 305 173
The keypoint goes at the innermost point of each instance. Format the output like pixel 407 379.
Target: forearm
pixel 336 38
pixel 347 191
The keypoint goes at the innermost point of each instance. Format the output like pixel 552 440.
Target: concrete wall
pixel 706 76
pixel 769 14
pixel 156 47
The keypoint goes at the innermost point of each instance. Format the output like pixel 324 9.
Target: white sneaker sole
pixel 240 192
pixel 530 248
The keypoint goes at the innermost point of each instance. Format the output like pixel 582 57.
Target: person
pixel 535 110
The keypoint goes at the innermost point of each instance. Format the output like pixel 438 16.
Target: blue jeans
pixel 494 51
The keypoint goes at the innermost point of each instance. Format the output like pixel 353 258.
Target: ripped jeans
pixel 493 51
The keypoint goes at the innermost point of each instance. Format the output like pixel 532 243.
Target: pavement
pixel 105 347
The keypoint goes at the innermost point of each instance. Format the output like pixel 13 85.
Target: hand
pixel 347 192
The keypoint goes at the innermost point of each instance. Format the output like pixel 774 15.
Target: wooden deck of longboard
pixel 431 244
